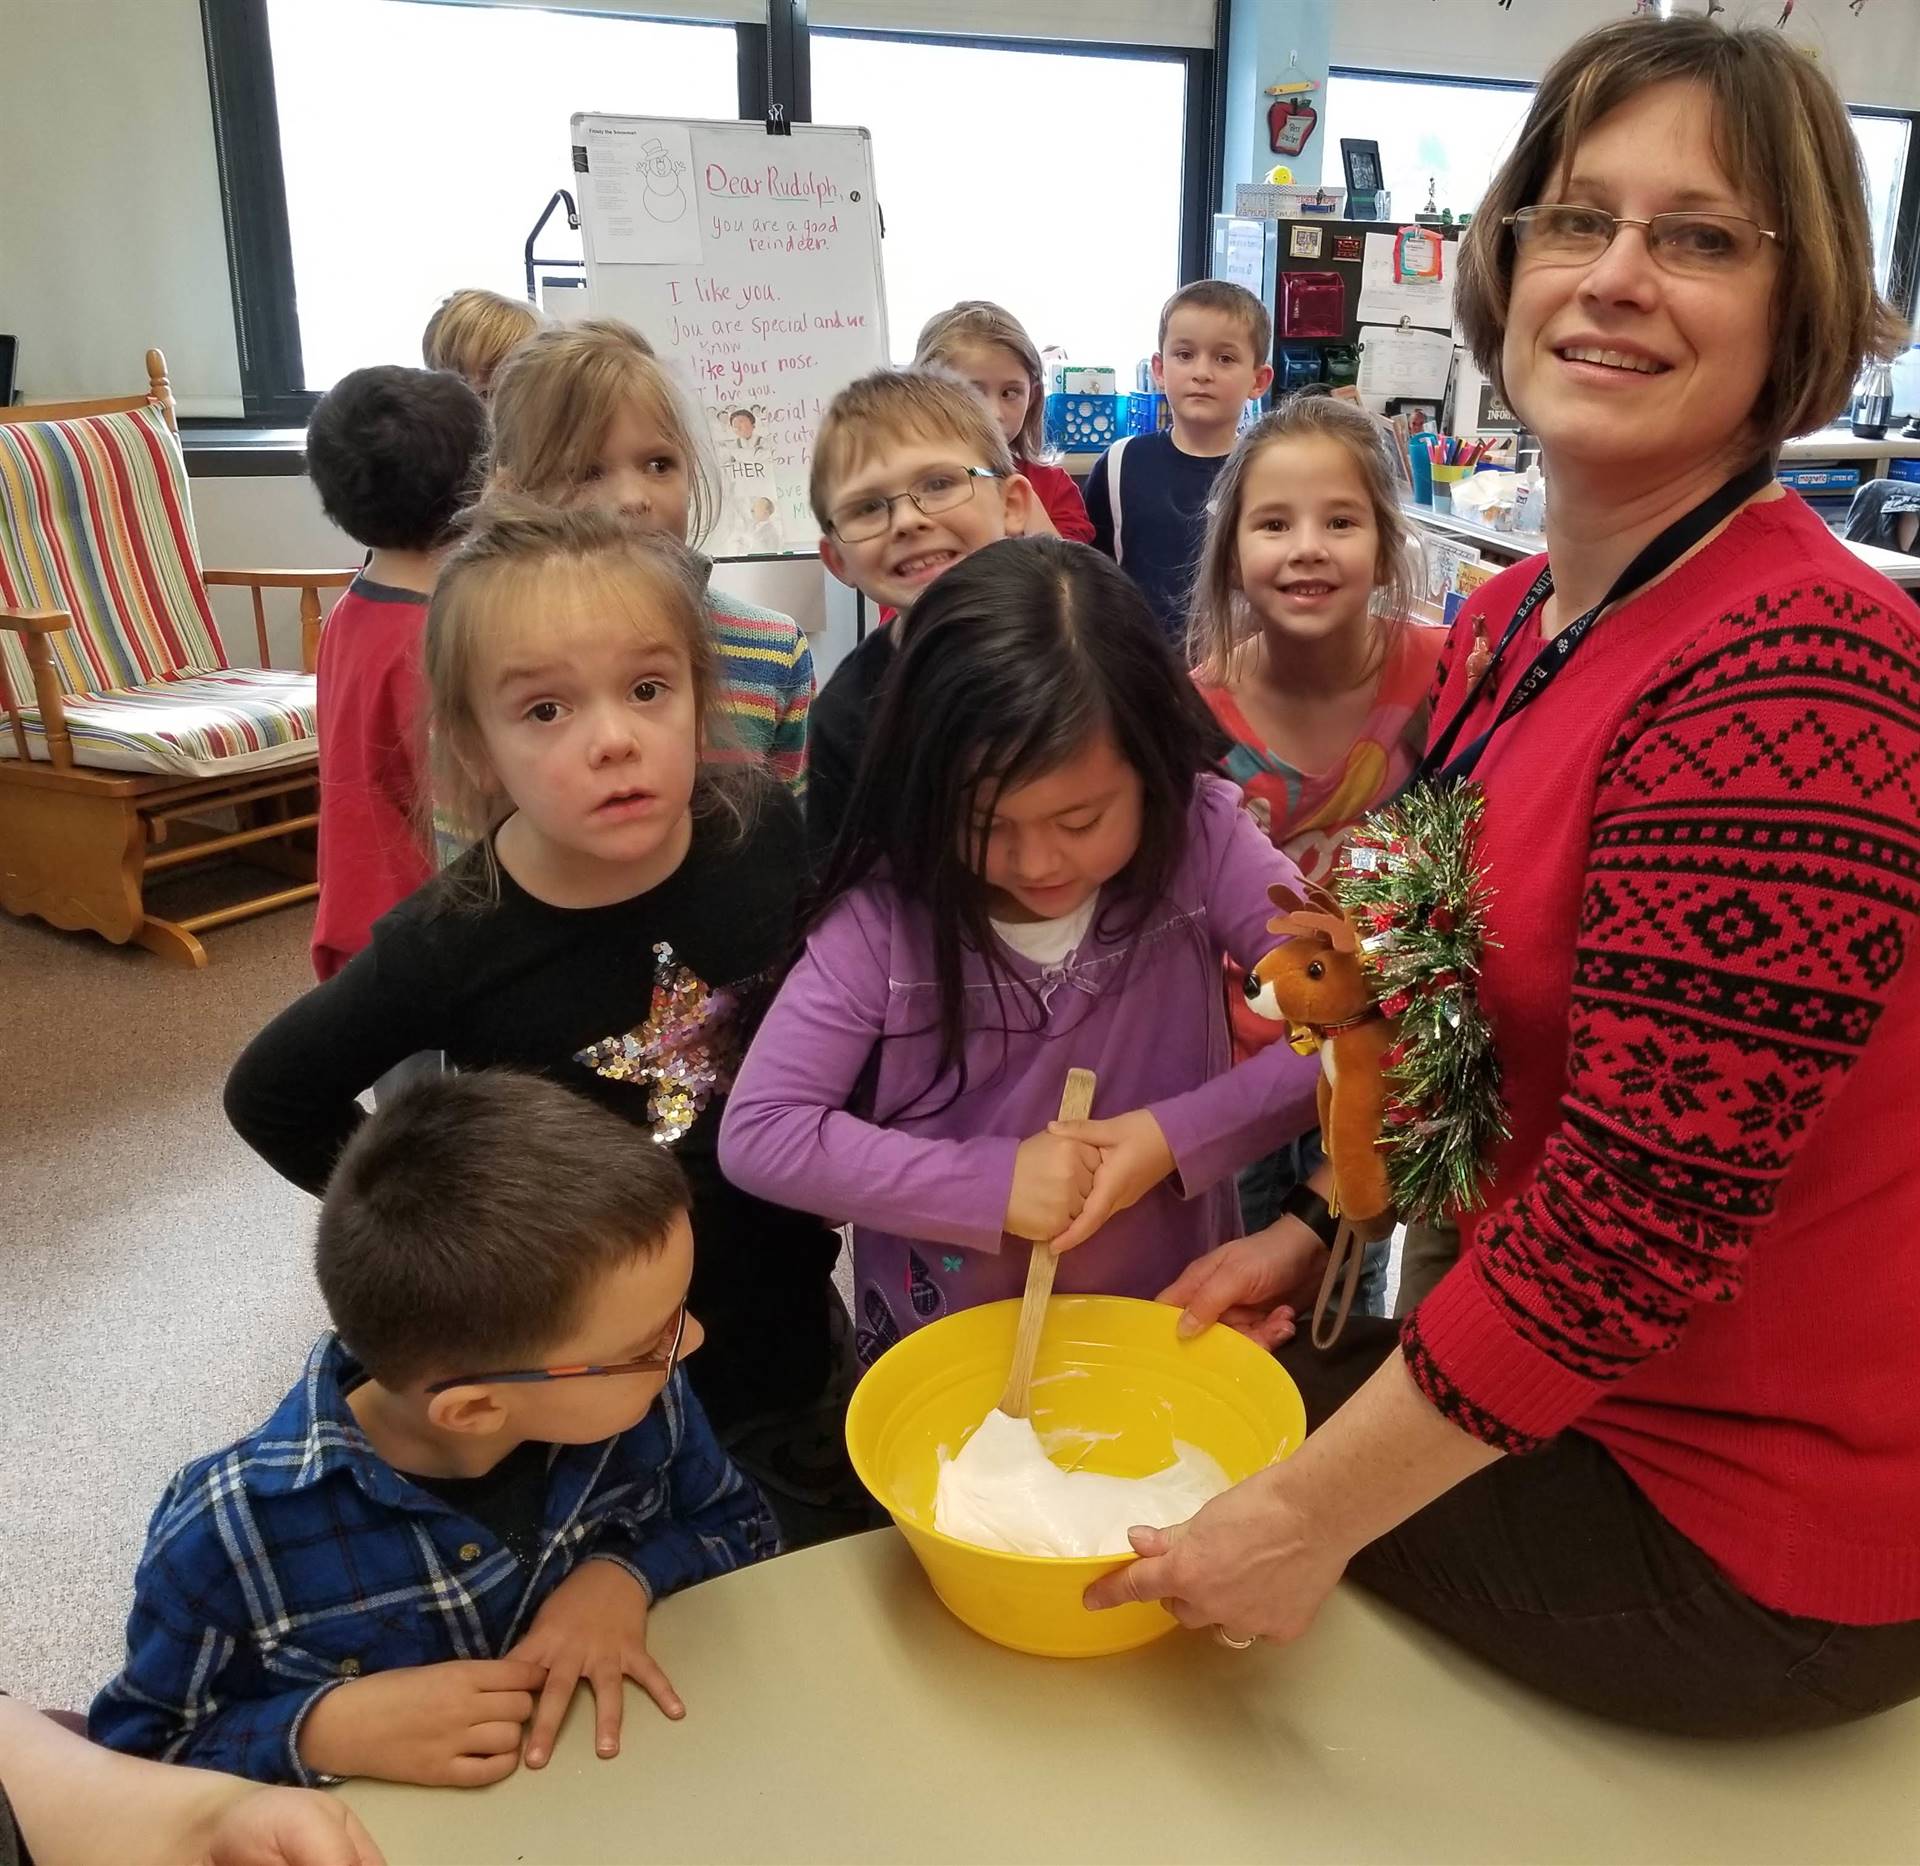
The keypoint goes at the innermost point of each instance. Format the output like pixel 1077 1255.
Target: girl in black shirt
pixel 613 926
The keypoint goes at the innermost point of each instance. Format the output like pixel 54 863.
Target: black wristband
pixel 1305 1204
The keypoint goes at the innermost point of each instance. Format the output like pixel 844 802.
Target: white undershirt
pixel 1049 942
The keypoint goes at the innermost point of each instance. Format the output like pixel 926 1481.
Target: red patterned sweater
pixel 1702 1244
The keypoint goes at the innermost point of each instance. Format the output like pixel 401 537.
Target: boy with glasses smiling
pixel 481 1483
pixel 910 474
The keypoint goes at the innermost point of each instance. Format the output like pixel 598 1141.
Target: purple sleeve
pixel 1256 1106
pixel 787 1136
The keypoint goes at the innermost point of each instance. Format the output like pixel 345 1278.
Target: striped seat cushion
pixel 94 520
pixel 201 725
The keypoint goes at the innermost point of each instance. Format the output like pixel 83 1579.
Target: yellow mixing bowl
pixel 1113 1388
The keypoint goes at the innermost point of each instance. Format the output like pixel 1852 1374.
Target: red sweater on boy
pixel 1702 1242
pixel 371 691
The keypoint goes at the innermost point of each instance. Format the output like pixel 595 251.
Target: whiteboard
pixel 751 263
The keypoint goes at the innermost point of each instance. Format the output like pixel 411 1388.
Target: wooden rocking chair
pixel 128 726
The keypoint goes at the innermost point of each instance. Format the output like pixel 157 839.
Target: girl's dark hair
pixel 1011 664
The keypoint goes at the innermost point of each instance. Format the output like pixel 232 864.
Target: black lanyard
pixel 1658 557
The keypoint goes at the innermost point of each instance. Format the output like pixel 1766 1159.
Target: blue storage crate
pixel 1148 413
pixel 1084 424
pixel 1904 469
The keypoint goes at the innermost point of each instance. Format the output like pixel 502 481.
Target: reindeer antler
pixel 1335 929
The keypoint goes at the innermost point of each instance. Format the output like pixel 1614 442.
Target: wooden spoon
pixel 1075 1105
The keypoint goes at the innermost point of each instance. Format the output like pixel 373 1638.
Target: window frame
pixel 774 72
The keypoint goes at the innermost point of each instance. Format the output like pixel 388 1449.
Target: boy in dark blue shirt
pixel 481 1483
pixel 1147 495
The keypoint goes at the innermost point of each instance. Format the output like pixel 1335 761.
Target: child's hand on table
pixel 593 1626
pixel 452 1725
pixel 1134 1158
pixel 1051 1179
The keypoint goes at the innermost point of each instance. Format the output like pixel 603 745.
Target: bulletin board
pixel 751 262
pixel 1401 337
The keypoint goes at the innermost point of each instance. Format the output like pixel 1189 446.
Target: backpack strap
pixel 1113 492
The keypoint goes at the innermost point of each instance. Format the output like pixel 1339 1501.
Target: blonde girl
pixel 586 414
pixel 1302 646
pixel 989 347
pixel 608 929
pixel 475 331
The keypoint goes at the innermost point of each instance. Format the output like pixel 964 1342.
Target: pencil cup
pixel 1445 478
pixel 1420 458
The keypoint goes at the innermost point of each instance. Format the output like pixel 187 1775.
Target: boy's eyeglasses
pixel 938 491
pixel 1693 246
pixel 662 1364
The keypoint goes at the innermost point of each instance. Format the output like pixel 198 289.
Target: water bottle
pixel 1873 406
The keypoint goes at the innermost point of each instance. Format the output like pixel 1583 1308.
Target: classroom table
pixel 836 1712
pixel 1508 547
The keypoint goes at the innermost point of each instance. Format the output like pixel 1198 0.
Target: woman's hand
pixel 1051 1179
pixel 1134 1158
pixel 1248 1562
pixel 288 1827
pixel 1260 1558
pixel 1254 1284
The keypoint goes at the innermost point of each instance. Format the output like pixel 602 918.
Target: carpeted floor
pixel 158 1296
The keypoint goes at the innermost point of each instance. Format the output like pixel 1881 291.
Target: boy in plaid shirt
pixel 481 1483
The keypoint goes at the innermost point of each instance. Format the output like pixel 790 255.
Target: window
pixel 981 158
pixel 1448 135
pixel 1443 134
pixel 1883 140
pixel 419 142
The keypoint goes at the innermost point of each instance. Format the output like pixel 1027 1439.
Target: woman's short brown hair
pixel 1780 129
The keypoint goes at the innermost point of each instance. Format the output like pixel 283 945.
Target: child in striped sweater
pixel 585 414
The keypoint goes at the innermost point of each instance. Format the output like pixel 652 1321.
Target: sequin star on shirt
pixel 685 1053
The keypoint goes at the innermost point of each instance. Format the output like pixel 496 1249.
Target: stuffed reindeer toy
pixel 1313 982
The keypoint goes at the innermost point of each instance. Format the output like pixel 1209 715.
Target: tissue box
pixel 1085 423
pixel 1077 379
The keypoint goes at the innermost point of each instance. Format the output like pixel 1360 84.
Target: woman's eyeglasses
pixel 1690 245
pixel 662 1364
pixel 938 491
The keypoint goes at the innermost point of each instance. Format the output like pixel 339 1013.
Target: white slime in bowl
pixel 1003 1492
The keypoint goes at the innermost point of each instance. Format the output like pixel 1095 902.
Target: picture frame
pixel 1360 158
pixel 1423 417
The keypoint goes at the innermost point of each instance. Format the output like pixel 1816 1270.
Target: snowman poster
pixel 643 190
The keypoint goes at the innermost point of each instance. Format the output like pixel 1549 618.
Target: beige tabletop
pixel 836 1712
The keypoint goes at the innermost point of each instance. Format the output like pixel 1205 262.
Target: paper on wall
pixel 642 184
pixel 1385 300
pixel 1411 364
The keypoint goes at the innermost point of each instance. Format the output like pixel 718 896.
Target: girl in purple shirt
pixel 1037 873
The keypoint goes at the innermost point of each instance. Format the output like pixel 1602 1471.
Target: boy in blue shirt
pixel 1147 495
pixel 481 1483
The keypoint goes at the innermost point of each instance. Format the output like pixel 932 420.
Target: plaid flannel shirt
pixel 298 1559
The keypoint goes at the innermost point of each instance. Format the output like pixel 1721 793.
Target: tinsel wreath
pixel 1412 883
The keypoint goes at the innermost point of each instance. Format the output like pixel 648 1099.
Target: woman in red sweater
pixel 1653 1445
